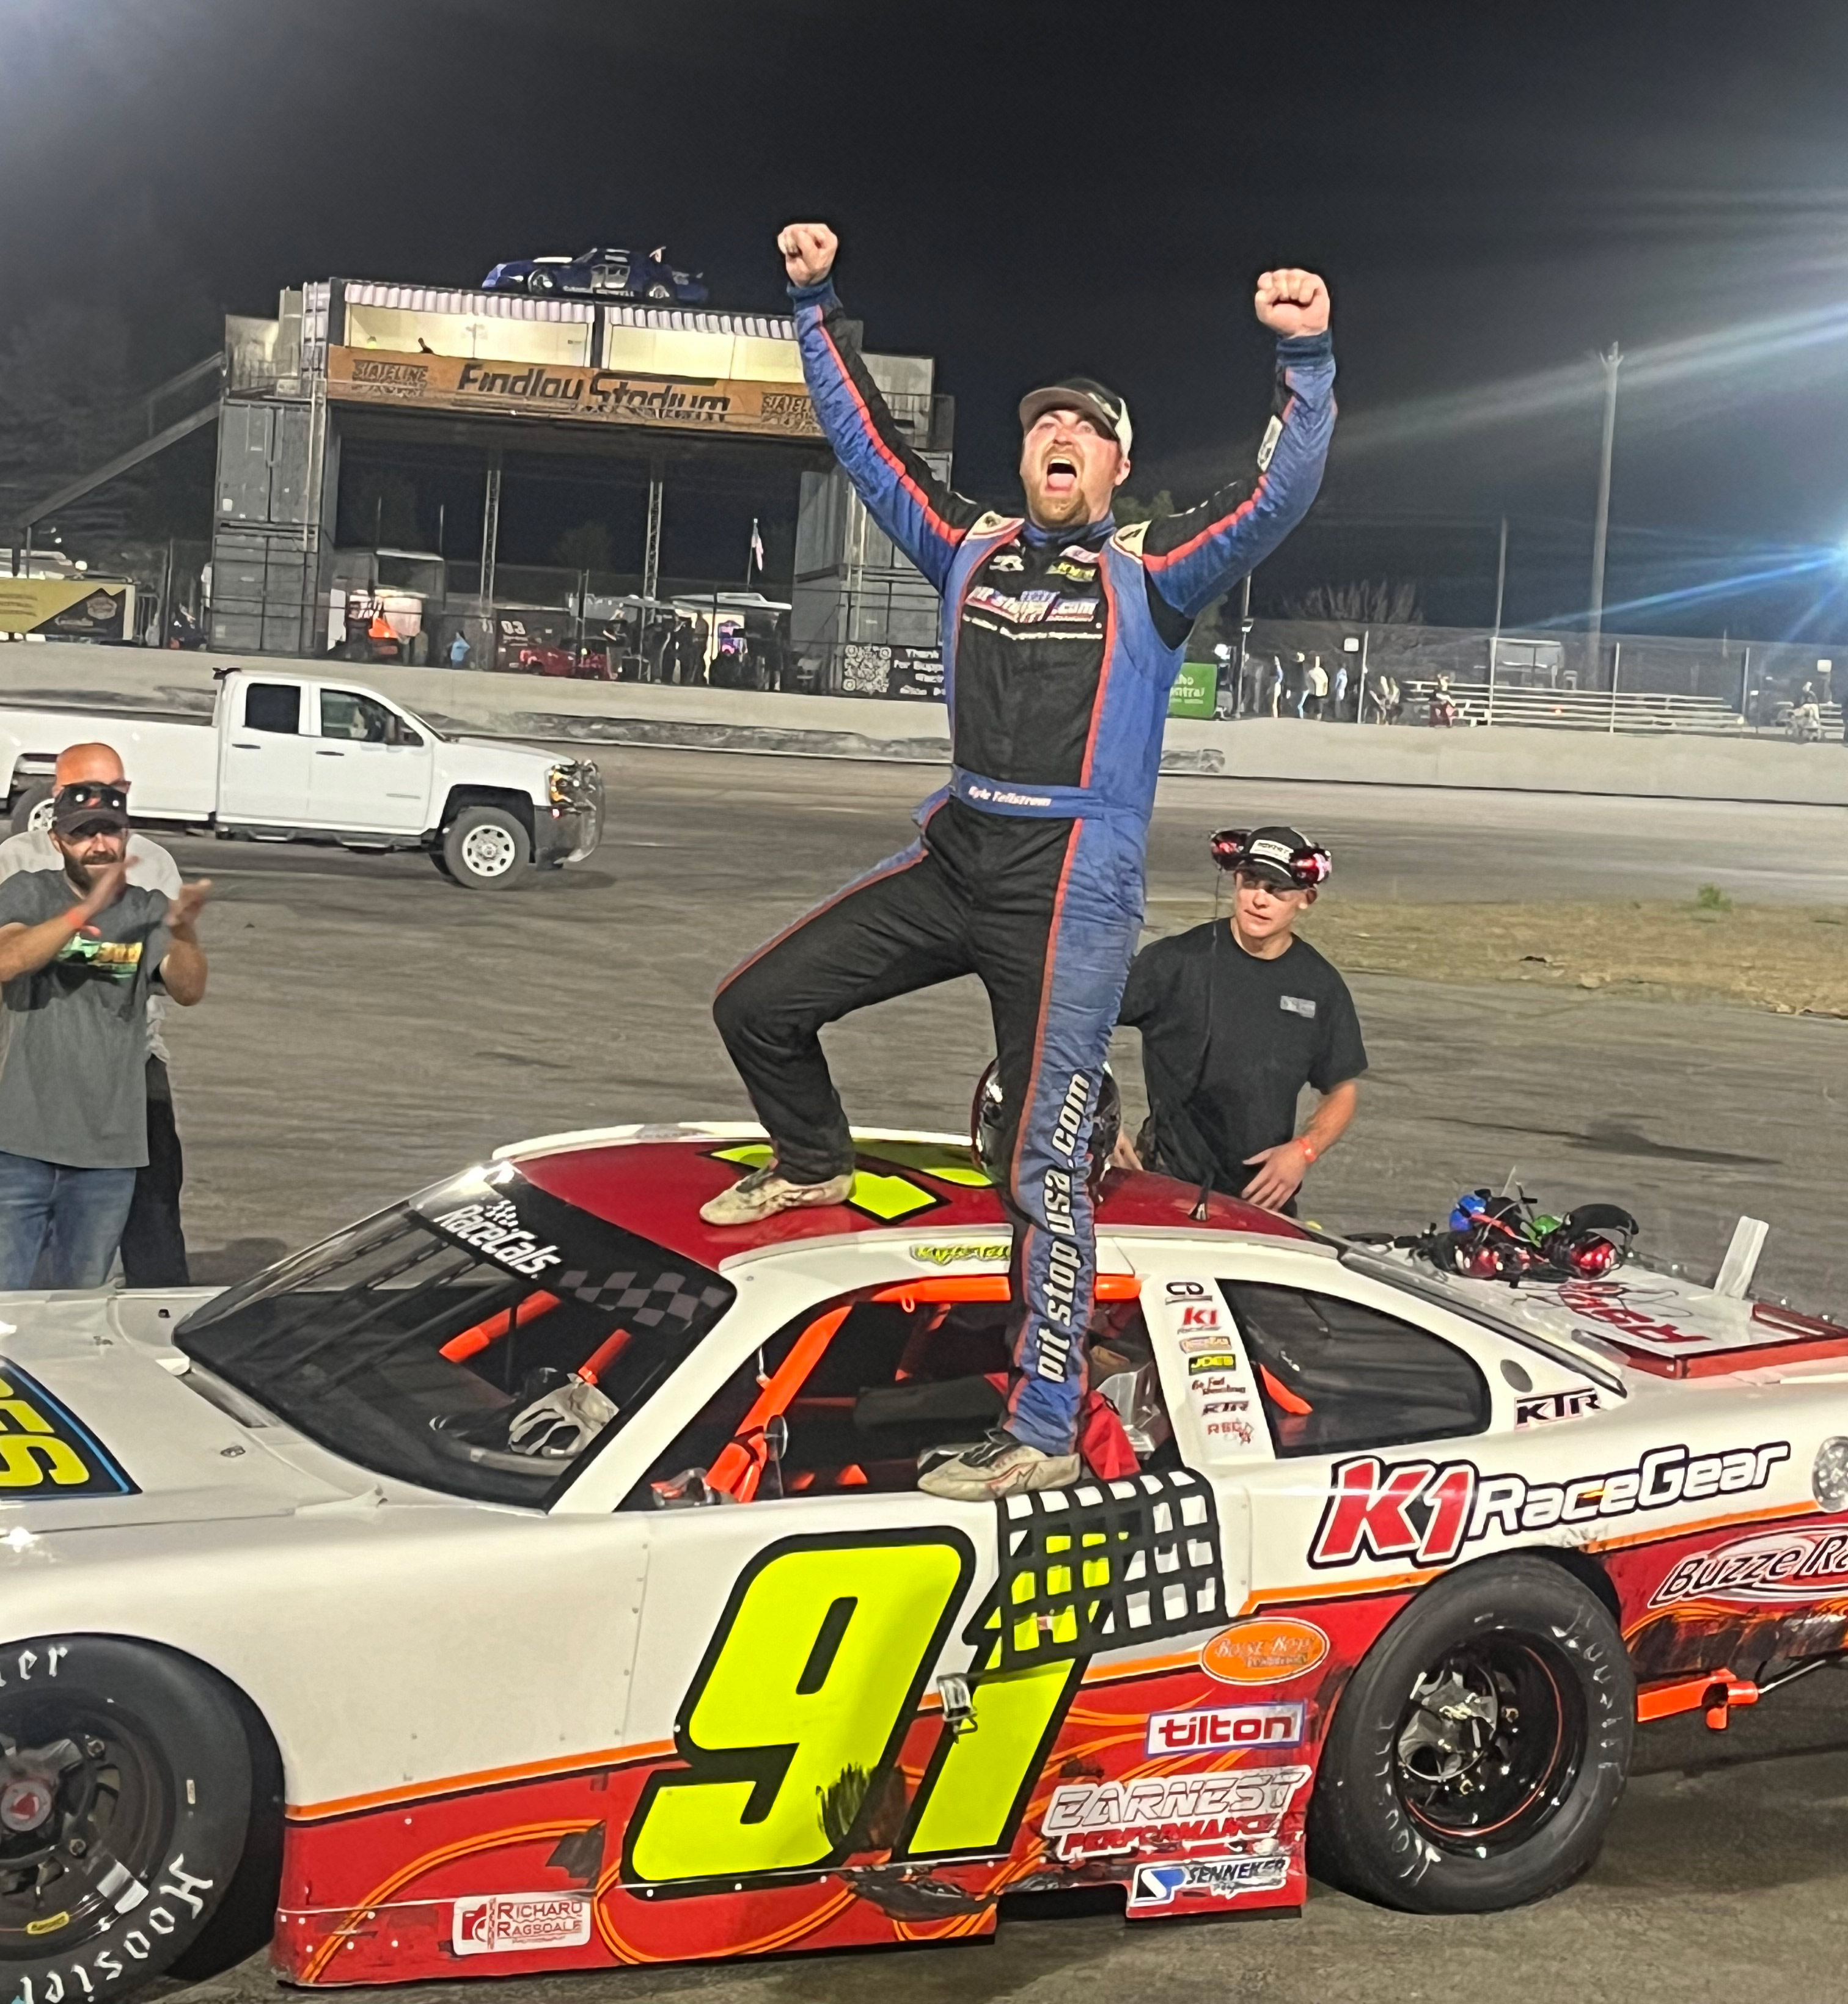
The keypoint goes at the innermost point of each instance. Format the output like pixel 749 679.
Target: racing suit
pixel 1060 648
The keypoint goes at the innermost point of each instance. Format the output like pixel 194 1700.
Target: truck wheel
pixel 1478 1751
pixel 126 1806
pixel 32 808
pixel 442 862
pixel 486 849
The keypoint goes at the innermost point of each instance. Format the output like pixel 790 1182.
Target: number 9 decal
pixel 800 1705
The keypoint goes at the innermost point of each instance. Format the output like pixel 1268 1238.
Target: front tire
pixel 486 849
pixel 126 1807
pixel 32 810
pixel 1478 1753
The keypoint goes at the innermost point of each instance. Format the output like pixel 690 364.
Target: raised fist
pixel 808 250
pixel 1290 301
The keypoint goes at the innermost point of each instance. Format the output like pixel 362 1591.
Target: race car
pixel 532 1577
pixel 601 273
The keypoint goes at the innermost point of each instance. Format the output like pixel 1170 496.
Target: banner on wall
pixel 569 391
pixel 77 608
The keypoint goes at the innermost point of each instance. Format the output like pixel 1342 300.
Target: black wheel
pixel 1478 1751
pixel 33 807
pixel 486 849
pixel 442 863
pixel 126 1809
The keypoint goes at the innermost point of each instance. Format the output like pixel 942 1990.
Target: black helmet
pixel 987 1117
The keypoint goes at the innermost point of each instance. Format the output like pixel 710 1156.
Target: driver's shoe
pixel 765 1191
pixel 1001 1465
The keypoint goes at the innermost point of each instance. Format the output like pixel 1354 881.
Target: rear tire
pixel 1478 1751
pixel 34 799
pixel 486 849
pixel 126 1808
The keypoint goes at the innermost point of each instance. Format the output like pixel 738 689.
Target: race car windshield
pixel 483 1339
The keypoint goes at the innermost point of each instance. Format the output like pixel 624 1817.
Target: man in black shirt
pixel 1234 1022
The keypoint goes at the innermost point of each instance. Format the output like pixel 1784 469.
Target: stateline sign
pixel 571 391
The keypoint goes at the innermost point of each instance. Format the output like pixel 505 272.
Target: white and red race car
pixel 530 1577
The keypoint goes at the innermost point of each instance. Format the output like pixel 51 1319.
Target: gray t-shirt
pixel 73 1084
pixel 149 865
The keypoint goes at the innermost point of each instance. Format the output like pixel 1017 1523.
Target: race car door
pixel 851 1682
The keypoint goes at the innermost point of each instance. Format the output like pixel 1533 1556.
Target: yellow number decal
pixel 978 1782
pixel 27 1460
pixel 797 1714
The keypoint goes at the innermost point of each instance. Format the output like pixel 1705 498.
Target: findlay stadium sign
pixel 569 391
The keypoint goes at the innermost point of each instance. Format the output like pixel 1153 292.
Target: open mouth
pixel 1061 474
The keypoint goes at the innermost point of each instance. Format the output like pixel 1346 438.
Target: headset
pixel 988 1123
pixel 1233 849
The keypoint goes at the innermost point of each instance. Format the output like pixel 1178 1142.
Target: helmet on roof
pixel 988 1123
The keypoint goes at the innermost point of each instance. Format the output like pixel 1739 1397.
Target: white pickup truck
pixel 296 758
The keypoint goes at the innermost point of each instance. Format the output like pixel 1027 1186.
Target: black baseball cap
pixel 1080 393
pixel 88 807
pixel 1279 855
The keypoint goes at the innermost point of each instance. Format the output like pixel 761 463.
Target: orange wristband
pixel 76 918
pixel 1309 1154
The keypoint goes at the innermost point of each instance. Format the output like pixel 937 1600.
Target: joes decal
pixel 1266 1650
pixel 45 1450
pixel 1418 1510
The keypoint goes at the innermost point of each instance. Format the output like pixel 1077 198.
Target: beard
pixel 1067 511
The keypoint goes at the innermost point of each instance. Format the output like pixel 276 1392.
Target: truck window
pixel 275 706
pixel 357 718
pixel 1335 1376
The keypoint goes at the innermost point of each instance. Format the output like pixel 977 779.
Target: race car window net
pixel 482 1340
pixel 1337 1376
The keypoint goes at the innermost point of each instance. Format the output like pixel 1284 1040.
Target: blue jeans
pixel 74 1217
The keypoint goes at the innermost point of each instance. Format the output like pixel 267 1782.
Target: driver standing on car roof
pixel 1237 1016
pixel 1061 638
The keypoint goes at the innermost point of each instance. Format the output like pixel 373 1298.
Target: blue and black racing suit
pixel 1060 648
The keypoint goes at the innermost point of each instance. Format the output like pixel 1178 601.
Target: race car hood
pixel 96 1428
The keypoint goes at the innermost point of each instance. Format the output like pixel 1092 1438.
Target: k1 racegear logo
pixel 495 1230
pixel 1169 1813
pixel 501 1923
pixel 1225 1729
pixel 1209 1878
pixel 1419 1510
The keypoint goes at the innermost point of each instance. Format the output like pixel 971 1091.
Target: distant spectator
pixel 154 1243
pixel 1276 683
pixel 458 651
pixel 80 949
pixel 1315 690
pixel 1341 691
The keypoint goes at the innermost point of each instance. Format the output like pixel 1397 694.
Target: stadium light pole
pixel 1610 362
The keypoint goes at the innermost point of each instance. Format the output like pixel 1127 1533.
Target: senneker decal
pixel 1418 1510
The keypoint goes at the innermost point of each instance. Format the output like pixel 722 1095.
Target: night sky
pixel 1493 193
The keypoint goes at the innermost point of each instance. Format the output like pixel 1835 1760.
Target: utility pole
pixel 1610 361
pixel 1494 639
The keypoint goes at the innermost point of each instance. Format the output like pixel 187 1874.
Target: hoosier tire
pixel 1478 1751
pixel 125 1810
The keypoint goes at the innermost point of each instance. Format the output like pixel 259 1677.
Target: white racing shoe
pixel 999 1465
pixel 764 1192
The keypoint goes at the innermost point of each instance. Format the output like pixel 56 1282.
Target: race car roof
pixel 654 1184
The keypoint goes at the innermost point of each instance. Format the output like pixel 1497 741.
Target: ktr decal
pixel 1169 1813
pixel 1774 1565
pixel 1209 1878
pixel 500 1923
pixel 1545 1407
pixel 1225 1729
pixel 1419 1511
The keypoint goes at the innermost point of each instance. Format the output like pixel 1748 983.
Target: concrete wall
pixel 1504 758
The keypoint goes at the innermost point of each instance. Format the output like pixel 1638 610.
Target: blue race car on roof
pixel 601 273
